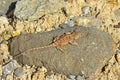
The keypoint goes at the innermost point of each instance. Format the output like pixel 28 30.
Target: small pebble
pixel 19 72
pixel 82 59
pixel 38 29
pixel 118 57
pixel 72 77
pixel 10 57
pixel 48 77
pixel 70 23
pixel 79 77
pixel 9 68
pixel 118 54
pixel 86 10
pixel 82 73
pixel 15 33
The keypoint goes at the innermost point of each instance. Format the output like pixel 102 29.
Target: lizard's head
pixel 77 35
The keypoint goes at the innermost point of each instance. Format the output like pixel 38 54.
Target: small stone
pixel 82 73
pixel 70 23
pixel 15 33
pixel 48 77
pixel 10 57
pixel 71 77
pixel 38 29
pixel 86 10
pixel 9 68
pixel 79 77
pixel 118 57
pixel 19 72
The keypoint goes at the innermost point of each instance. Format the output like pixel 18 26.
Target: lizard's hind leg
pixel 60 47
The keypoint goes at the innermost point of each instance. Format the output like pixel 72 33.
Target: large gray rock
pixel 34 9
pixel 93 50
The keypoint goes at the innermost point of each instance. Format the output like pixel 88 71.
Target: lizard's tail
pixel 50 45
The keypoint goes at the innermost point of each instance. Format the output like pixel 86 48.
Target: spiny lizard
pixel 61 41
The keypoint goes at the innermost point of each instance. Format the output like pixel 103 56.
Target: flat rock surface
pixel 93 50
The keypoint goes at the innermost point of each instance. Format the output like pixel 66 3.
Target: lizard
pixel 61 41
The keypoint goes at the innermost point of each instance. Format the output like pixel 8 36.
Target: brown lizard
pixel 61 41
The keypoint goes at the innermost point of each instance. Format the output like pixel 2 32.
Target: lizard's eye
pixel 77 36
